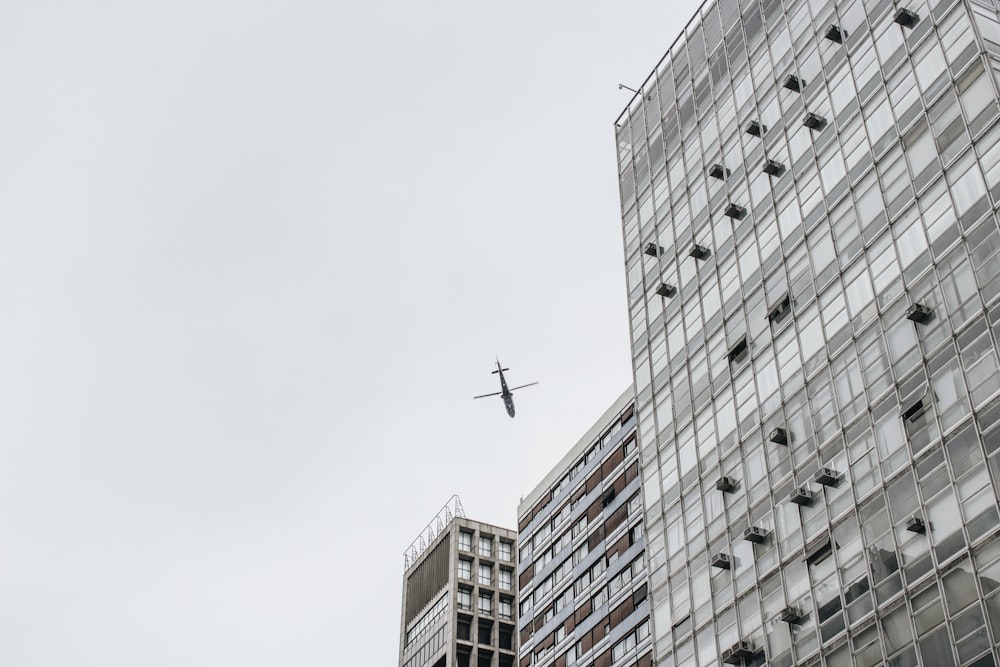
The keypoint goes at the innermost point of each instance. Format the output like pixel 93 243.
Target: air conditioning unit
pixel 835 34
pixel 778 436
pixel 726 484
pixel 666 290
pixel 827 477
pixel 699 252
pixel 718 171
pixel 918 313
pixel 814 121
pixel 801 496
pixel 653 250
pixel 729 658
pixel 722 561
pixel 916 525
pixel 738 652
pixel 773 168
pixel 755 534
pixel 906 18
pixel 755 128
pixel 792 615
pixel 735 211
pixel 793 83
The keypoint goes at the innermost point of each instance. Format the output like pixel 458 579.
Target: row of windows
pixel 560 603
pixel 591 586
pixel 428 649
pixel 622 652
pixel 505 576
pixel 427 621
pixel 505 550
pixel 578 528
pixel 591 455
pixel 484 603
pixel 534 593
pixel 627 645
pixel 541 538
pixel 542 532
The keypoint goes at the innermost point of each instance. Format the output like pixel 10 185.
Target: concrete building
pixel 582 574
pixel 809 203
pixel 459 594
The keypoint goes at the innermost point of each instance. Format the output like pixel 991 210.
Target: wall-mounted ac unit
pixel 801 496
pixel 726 484
pixel 722 561
pixel 827 477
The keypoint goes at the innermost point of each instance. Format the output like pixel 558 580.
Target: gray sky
pixel 255 260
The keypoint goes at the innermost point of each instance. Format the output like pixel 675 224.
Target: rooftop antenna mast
pixel 452 509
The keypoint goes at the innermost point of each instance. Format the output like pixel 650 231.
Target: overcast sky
pixel 255 260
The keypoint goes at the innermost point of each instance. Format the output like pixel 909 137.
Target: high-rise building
pixel 809 195
pixel 581 570
pixel 459 594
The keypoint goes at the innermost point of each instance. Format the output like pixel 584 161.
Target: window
pixel 973 91
pixel 623 647
pixel 485 575
pixel 557 489
pixel 504 609
pixel 506 550
pixel 948 127
pixel 930 67
pixel 485 603
pixel 485 546
pixel 432 616
pixel 505 579
pixel 561 516
pixel 878 120
pixel 464 598
pixel 464 540
pixel 968 189
pixel 982 371
pixel 464 568
pixel 526 606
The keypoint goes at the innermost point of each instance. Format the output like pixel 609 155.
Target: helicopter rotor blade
pixel 486 395
pixel 524 385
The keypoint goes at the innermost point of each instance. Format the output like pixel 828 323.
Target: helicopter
pixel 505 393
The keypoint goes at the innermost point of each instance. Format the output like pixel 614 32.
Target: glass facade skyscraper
pixel 809 203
